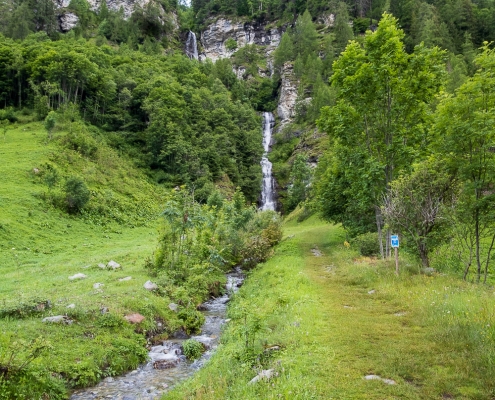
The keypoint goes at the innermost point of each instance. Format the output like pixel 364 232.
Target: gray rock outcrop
pixel 288 95
pixel 67 21
pixel 213 39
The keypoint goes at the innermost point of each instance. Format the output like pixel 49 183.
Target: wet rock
pixel 57 319
pixel 180 334
pixel 77 277
pixel 266 374
pixel 113 265
pixel 150 286
pixel 164 360
pixel 135 318
pixel 206 341
pixel 98 285
pixel 174 307
pixel 379 378
pixel 127 278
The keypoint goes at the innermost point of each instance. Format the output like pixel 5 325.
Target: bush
pixel 76 194
pixel 192 349
pixel 8 114
pixel 367 243
pixel 230 44
pixel 81 142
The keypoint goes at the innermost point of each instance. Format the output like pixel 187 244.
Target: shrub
pixel 82 143
pixel 230 44
pixel 76 194
pixel 192 349
pixel 367 243
pixel 8 114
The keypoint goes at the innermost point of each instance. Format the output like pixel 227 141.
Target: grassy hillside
pixel 41 245
pixel 323 318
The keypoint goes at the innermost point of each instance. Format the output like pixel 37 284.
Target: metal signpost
pixel 394 242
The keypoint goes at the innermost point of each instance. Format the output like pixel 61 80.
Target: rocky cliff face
pixel 288 96
pixel 68 20
pixel 213 39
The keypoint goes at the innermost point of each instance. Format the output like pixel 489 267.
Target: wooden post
pixel 396 261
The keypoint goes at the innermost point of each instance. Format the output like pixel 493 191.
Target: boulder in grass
pixel 102 266
pixel 98 285
pixel 113 265
pixel 266 375
pixel 150 286
pixel 134 318
pixel 127 278
pixel 57 319
pixel 77 277
pixel 173 307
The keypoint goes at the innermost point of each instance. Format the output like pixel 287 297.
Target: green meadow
pixel 41 246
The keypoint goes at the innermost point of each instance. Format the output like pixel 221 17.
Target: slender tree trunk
pixel 378 216
pixel 477 239
pixel 488 258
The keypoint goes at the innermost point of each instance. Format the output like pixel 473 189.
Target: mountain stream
pixel 148 382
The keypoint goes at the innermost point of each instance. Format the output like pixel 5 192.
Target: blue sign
pixel 394 240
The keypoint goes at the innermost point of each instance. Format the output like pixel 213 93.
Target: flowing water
pixel 268 201
pixel 192 46
pixel 149 383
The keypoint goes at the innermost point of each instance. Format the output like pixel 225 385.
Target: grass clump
pixel 192 349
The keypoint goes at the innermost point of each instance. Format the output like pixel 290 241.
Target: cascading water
pixel 192 46
pixel 268 190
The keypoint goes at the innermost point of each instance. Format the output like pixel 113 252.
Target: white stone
pixel 174 307
pixel 71 306
pixel 379 378
pixel 57 319
pixel 113 265
pixel 77 276
pixel 150 285
pixel 266 374
pixel 98 285
pixel 127 278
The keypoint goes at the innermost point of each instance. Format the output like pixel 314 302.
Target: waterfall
pixel 268 190
pixel 192 46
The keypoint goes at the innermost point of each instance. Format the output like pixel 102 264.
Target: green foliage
pixel 376 131
pixel 415 204
pixel 201 242
pixel 230 44
pixel 50 121
pixel 8 115
pixel 466 147
pixel 192 349
pixel 76 194
pixel 299 182
pixel 367 244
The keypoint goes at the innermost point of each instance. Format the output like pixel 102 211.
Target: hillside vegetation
pixel 322 318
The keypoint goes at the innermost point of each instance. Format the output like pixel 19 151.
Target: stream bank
pixel 167 366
